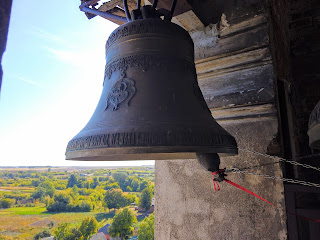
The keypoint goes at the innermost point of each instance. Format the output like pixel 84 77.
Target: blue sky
pixel 53 74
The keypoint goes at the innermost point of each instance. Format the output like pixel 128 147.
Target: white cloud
pixel 27 80
pixel 67 56
pixel 45 35
pixel 21 78
pixel 79 57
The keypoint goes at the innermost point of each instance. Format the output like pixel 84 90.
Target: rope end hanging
pixel 218 176
pixel 215 184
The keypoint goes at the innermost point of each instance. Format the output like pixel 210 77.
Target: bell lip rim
pixel 82 155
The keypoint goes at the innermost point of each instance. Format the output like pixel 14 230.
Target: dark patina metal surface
pixel 151 106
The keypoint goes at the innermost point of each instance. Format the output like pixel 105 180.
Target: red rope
pixel 256 195
pixel 248 191
pixel 215 183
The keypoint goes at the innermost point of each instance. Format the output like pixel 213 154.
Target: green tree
pixel 45 188
pixel 49 187
pixel 60 204
pixel 135 184
pixel 144 184
pixel 75 234
pixel 35 183
pixel 74 192
pixel 88 227
pixel 73 180
pixel 131 198
pixel 65 232
pixel 122 224
pixel 62 231
pixel 6 203
pixel 146 199
pixel 110 186
pixel 146 228
pixel 45 233
pixel 115 199
pixel 75 189
pixel 95 183
pixel 128 181
pixel 120 177
pixel 39 193
pixel 47 200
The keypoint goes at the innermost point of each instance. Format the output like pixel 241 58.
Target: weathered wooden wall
pixel 240 70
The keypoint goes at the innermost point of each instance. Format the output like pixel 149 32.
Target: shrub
pixel 6 203
pixel 45 233
pixel 122 224
pixel 61 201
pixel 146 228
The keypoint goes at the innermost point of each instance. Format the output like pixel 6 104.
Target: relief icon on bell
pixel 122 91
pixel 151 107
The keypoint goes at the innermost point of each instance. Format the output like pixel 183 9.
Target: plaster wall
pixel 188 207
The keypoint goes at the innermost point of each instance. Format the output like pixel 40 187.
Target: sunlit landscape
pixel 57 201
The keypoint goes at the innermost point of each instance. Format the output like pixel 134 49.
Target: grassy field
pixel 24 222
pixel 17 189
pixel 23 211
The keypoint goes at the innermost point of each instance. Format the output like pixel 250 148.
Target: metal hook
pixel 173 6
pixel 155 3
pixel 138 4
pixel 126 9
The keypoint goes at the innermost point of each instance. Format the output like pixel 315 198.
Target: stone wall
pixel 236 76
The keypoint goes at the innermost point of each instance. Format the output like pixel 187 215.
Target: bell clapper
pixel 209 161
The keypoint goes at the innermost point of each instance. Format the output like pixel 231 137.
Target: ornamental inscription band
pixel 147 138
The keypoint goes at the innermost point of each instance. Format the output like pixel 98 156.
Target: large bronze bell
pixel 151 106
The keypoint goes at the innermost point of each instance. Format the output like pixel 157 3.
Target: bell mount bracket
pixel 141 12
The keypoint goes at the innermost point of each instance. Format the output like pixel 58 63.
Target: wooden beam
pixel 181 7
